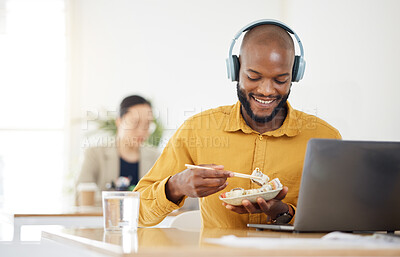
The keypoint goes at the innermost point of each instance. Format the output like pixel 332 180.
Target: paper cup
pixel 86 194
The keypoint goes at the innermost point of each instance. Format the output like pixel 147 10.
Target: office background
pixel 173 52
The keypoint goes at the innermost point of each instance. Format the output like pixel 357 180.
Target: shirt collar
pixel 289 127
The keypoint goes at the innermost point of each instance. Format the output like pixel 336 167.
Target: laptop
pixel 347 186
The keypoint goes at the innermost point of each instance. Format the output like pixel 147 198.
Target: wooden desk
pixel 174 242
pixel 68 217
pixel 89 217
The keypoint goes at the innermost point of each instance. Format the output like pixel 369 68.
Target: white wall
pixel 173 52
pixel 352 76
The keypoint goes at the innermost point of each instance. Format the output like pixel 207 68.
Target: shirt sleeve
pixel 291 222
pixel 154 204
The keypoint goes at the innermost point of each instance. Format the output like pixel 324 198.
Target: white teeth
pixel 263 102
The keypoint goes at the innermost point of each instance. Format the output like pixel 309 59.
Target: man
pixel 261 130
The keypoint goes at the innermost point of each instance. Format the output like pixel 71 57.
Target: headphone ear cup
pixel 235 68
pixel 299 67
pixel 295 70
pixel 232 68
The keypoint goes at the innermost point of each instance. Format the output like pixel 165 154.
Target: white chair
pixel 188 221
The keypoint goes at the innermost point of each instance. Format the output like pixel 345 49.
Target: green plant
pixel 108 125
pixel 155 137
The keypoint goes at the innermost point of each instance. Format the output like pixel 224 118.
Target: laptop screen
pixel 349 186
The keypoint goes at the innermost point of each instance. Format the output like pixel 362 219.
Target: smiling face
pixel 266 61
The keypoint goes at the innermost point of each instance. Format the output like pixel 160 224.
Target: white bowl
pixel 237 200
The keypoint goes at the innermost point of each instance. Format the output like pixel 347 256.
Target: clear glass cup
pixel 120 210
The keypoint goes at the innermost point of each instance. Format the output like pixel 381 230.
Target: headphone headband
pixel 233 61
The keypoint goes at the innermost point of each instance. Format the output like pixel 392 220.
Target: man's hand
pixel 197 182
pixel 272 207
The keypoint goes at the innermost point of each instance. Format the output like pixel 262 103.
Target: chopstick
pixel 236 174
pixel 241 175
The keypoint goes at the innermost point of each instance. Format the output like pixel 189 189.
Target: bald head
pixel 269 35
pixel 267 48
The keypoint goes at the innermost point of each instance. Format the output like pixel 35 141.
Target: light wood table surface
pixel 174 242
pixel 67 216
pixel 73 216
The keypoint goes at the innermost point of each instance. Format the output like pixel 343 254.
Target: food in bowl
pixel 271 185
pixel 267 191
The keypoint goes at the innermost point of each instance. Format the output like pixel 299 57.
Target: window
pixel 32 102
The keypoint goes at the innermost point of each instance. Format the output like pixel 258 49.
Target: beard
pixel 260 119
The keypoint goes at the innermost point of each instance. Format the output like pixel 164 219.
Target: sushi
pixel 263 178
pixel 266 186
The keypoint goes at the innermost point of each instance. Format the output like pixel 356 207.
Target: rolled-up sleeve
pixel 154 204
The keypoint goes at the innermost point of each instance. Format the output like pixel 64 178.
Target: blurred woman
pixel 128 157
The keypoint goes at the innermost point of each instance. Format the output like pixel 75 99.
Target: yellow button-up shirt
pixel 221 136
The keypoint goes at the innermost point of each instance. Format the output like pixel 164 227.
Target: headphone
pixel 232 62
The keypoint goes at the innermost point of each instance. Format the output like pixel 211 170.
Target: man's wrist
pixel 291 210
pixel 283 209
pixel 172 191
pixel 284 217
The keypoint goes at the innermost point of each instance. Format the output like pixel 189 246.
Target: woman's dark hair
pixel 130 101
